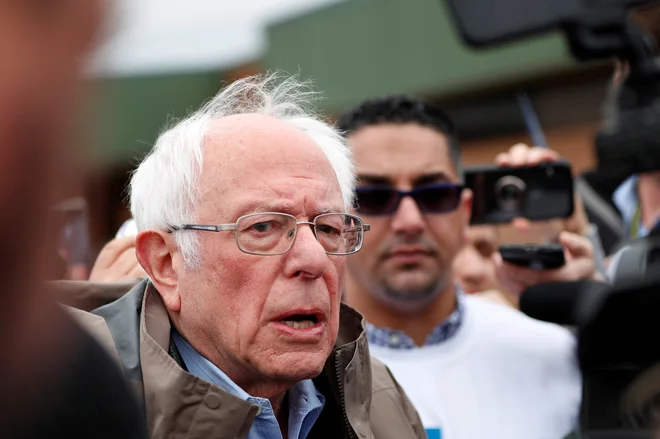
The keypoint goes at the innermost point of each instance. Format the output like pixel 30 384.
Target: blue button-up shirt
pixel 625 198
pixel 394 339
pixel 305 402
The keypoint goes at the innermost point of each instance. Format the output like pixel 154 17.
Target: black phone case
pixel 537 257
pixel 535 192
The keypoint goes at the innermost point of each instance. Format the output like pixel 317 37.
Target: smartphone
pixel 74 240
pixel 534 192
pixel 536 257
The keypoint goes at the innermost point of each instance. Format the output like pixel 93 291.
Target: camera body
pixel 535 192
pixel 629 142
pixel 620 360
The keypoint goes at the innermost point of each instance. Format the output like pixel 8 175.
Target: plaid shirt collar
pixel 394 339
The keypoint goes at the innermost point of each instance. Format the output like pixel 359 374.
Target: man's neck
pixel 417 323
pixel 649 198
pixel 280 405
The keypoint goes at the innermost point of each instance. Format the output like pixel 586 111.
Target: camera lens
pixel 509 192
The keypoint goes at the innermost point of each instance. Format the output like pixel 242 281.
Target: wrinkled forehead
pixel 262 161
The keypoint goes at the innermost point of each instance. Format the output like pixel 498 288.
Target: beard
pixel 413 294
pixel 410 289
pixel 418 282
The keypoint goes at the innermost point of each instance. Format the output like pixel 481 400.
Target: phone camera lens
pixel 509 192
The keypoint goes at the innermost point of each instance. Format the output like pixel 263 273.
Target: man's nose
pixel 307 257
pixel 408 219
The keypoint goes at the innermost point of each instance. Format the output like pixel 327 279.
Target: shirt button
pixel 395 339
pixel 212 401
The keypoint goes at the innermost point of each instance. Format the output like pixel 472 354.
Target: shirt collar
pixel 198 365
pixel 626 200
pixel 305 401
pixel 395 339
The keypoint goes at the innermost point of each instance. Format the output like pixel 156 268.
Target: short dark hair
pixel 402 109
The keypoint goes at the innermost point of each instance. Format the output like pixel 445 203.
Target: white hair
pixel 163 189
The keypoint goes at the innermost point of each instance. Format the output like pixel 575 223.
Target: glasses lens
pixel 376 201
pixel 339 234
pixel 438 198
pixel 266 234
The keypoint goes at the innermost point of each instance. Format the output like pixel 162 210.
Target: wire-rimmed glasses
pixel 273 233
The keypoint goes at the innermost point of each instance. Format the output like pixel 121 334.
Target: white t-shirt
pixel 502 375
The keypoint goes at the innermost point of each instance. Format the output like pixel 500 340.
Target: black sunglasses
pixel 432 198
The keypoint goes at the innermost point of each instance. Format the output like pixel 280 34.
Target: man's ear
pixel 466 207
pixel 155 251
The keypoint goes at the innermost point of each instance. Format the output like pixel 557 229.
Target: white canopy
pixel 168 36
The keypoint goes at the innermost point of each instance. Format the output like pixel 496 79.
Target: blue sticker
pixel 433 433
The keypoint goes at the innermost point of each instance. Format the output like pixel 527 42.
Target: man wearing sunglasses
pixel 472 368
pixel 244 229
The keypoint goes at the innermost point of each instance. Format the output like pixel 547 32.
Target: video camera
pixel 595 29
pixel 617 326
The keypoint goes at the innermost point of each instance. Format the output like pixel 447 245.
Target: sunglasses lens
pixel 376 201
pixel 439 199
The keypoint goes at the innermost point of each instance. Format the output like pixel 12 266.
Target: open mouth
pixel 300 321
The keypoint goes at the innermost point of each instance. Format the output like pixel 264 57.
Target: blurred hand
pixel 523 155
pixel 580 264
pixel 117 262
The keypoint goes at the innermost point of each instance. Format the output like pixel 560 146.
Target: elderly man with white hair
pixel 239 331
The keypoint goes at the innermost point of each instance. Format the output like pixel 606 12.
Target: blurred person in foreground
pixel 471 368
pixel 56 381
pixel 243 231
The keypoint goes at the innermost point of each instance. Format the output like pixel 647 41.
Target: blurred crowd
pixel 282 276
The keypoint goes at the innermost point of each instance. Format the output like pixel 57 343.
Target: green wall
pixel 353 50
pixel 363 48
pixel 126 114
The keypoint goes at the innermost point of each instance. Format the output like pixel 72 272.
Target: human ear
pixel 155 251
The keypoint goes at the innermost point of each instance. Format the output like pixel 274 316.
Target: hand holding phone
pixel 519 267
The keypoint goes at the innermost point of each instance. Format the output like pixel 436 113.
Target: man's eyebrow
pixel 331 209
pixel 264 206
pixel 434 177
pixel 381 180
pixel 376 180
pixel 259 206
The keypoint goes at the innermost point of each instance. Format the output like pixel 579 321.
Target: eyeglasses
pixel 432 198
pixel 273 233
